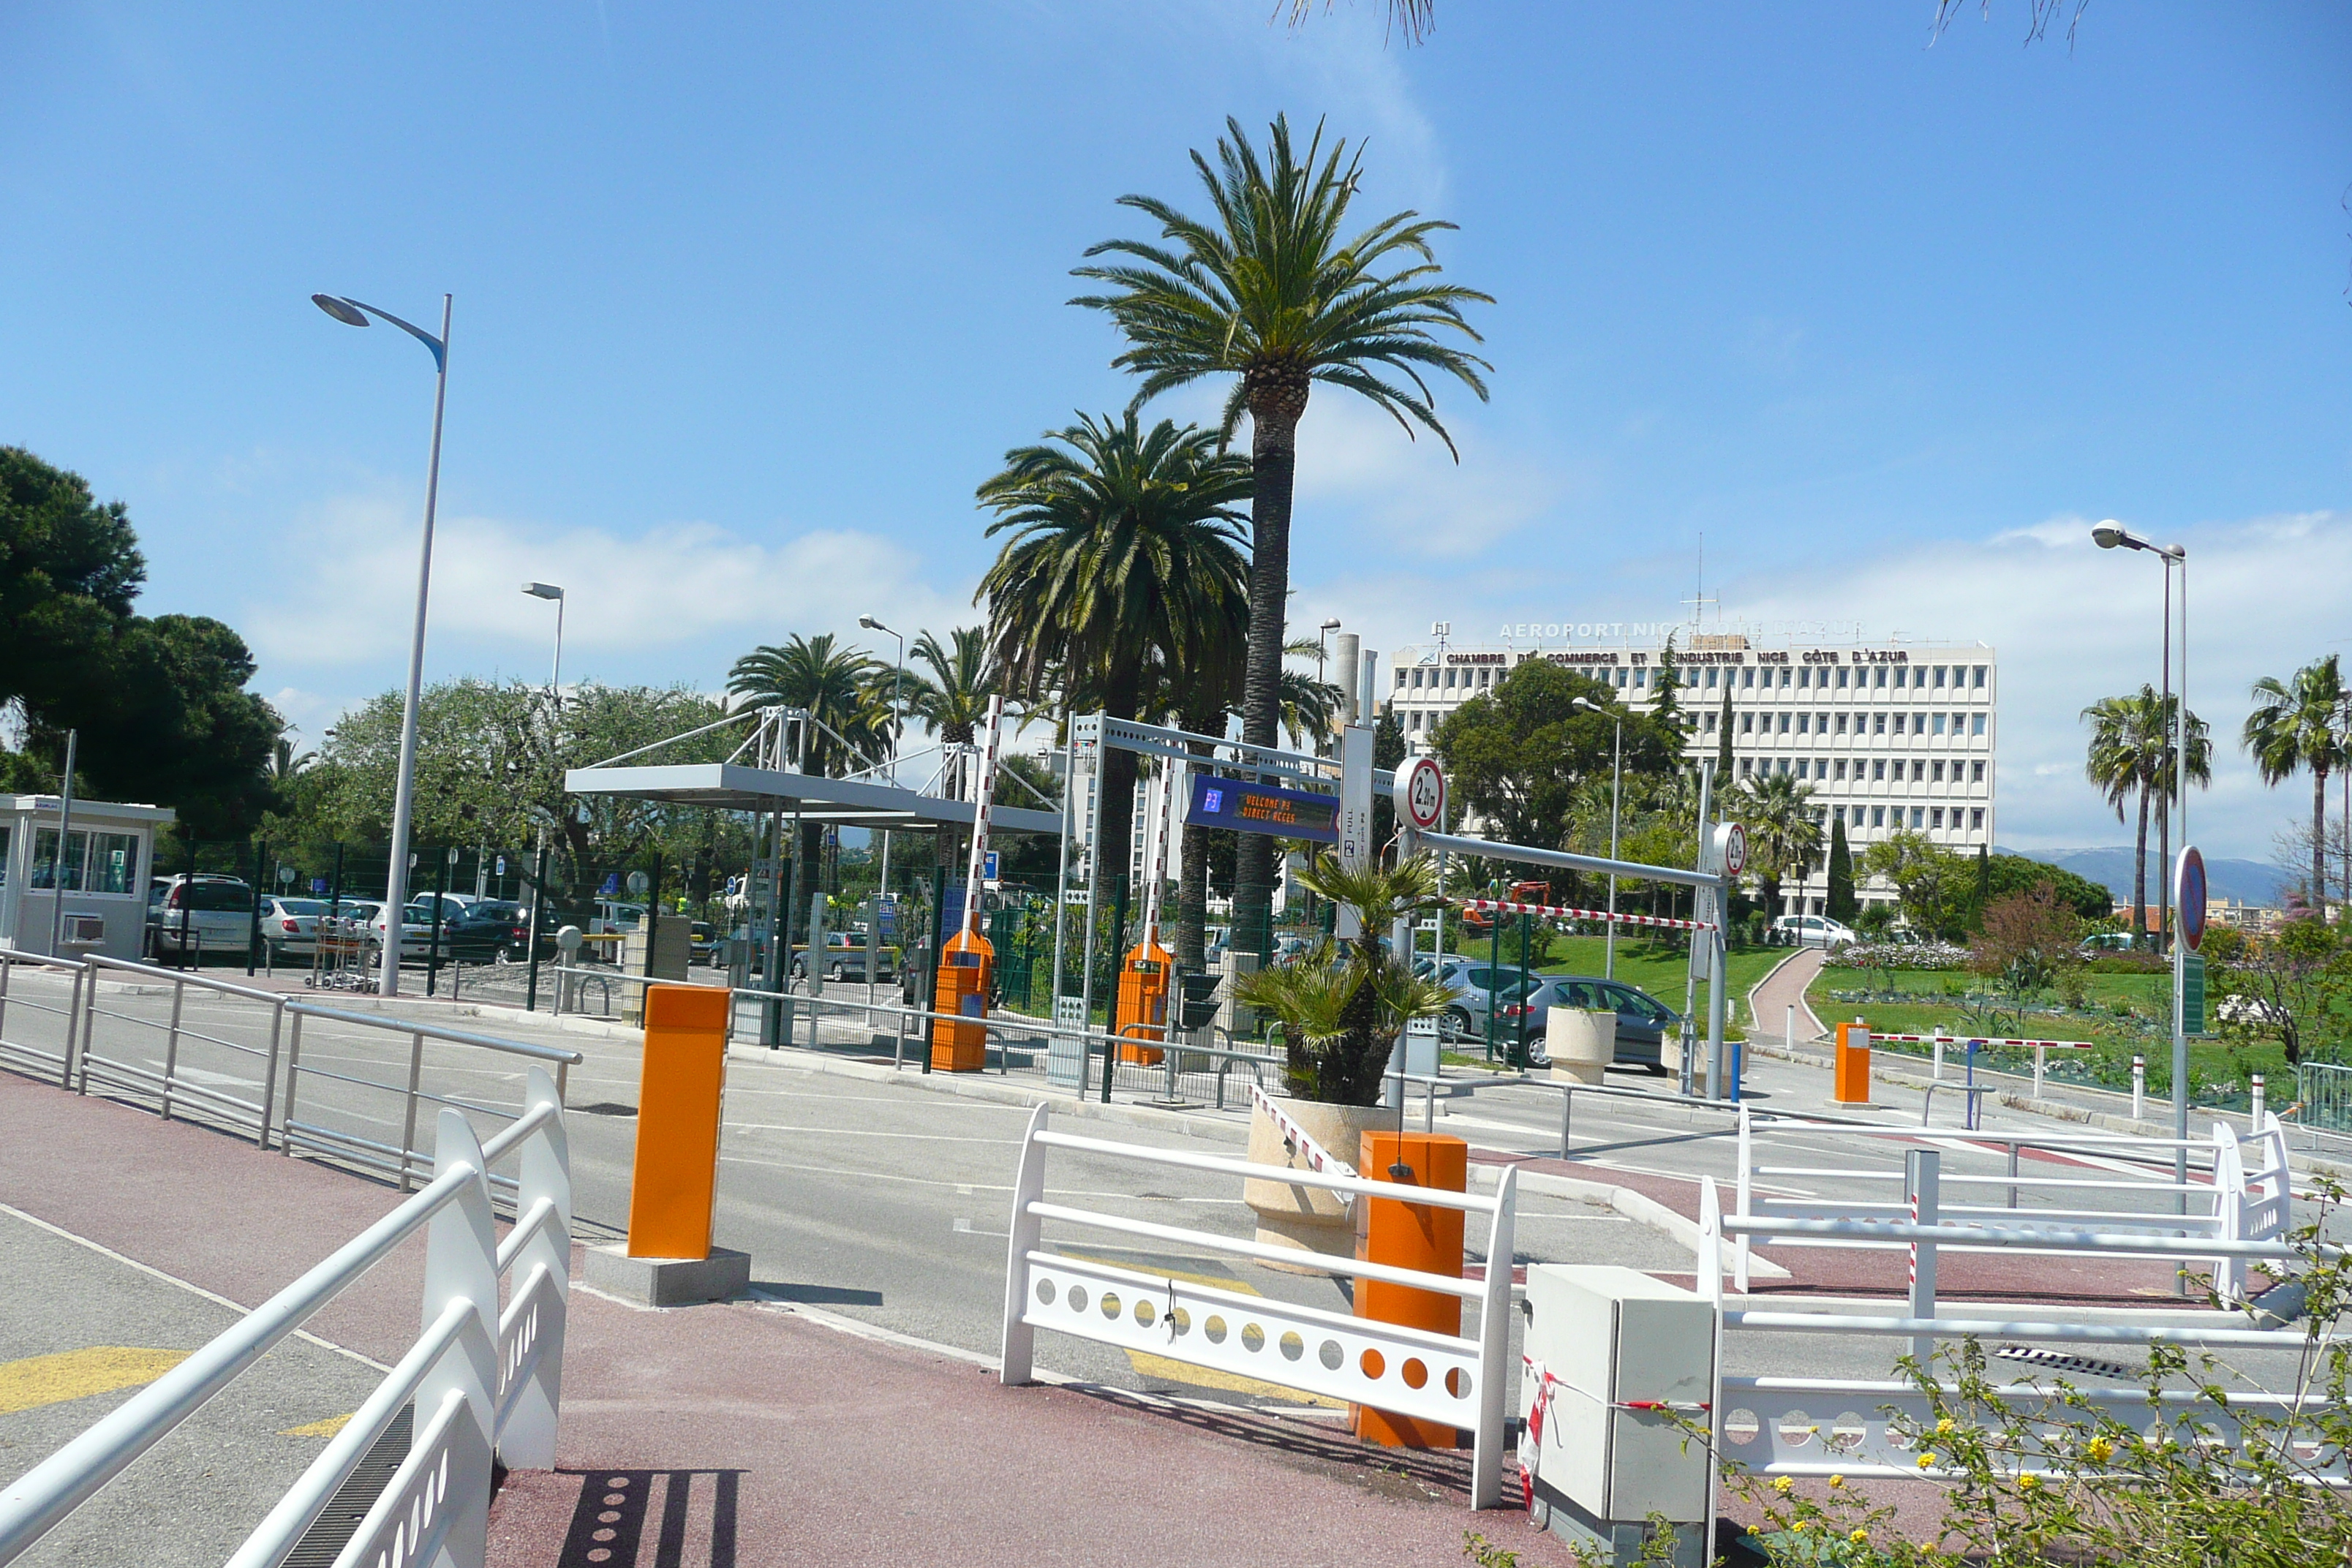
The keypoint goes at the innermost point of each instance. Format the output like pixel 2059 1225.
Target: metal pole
pixel 2179 954
pixel 530 939
pixel 555 673
pixel 395 897
pixel 253 931
pixel 1094 890
pixel 58 860
pixel 1117 960
pixel 433 940
pixel 1493 974
pixel 1062 874
pixel 1616 788
pixel 931 988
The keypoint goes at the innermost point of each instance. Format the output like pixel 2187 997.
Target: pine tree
pixel 1662 701
pixel 1841 904
pixel 1723 741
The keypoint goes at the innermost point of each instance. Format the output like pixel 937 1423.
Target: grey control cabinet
pixel 1608 1343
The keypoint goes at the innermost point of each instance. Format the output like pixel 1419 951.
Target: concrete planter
pixel 1313 1218
pixel 1581 1043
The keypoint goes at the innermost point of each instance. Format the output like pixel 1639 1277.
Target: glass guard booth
pixel 107 860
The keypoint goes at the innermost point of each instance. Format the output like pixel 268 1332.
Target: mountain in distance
pixel 2240 881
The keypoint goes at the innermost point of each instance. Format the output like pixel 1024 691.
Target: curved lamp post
pixel 1616 786
pixel 2113 535
pixel 555 677
pixel 352 313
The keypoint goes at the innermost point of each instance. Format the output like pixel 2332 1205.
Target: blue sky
pixel 749 300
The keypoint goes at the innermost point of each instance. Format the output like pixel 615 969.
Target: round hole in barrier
pixel 601 1554
pixel 612 1498
pixel 1146 1313
pixel 1898 1437
pixel 1293 1347
pixel 1180 1321
pixel 1110 1303
pixel 1457 1382
pixel 1077 1298
pixel 618 1481
pixel 604 1535
pixel 1046 1291
pixel 1329 1353
pixel 1847 1432
pixel 1253 1338
pixel 1795 1428
pixel 1740 1427
pixel 1372 1364
pixel 1215 1329
pixel 610 1516
pixel 1413 1373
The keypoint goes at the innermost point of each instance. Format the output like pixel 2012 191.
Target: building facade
pixel 1889 737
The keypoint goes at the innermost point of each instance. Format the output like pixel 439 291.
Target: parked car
pixel 290 926
pixel 845 959
pixel 491 930
pixel 1642 1020
pixel 2100 943
pixel 1475 983
pixel 704 944
pixel 199 914
pixel 416 927
pixel 1813 930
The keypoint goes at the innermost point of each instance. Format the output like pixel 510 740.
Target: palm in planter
pixel 1342 1005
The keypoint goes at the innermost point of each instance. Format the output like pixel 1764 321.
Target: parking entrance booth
pixel 967 969
pixel 1143 981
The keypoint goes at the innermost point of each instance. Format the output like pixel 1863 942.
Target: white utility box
pixel 1616 1356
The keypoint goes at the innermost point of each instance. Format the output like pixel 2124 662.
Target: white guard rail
pixel 1454 1380
pixel 483 1382
pixel 2237 1205
pixel 1813 1426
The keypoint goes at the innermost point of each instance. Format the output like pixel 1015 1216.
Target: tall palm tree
pixel 1272 293
pixel 1124 551
pixel 2298 726
pixel 834 684
pixel 953 698
pixel 1310 705
pixel 285 763
pixel 2122 760
pixel 1784 831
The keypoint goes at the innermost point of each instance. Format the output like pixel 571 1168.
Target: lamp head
pixel 343 310
pixel 542 590
pixel 2111 533
pixel 871 624
pixel 1330 626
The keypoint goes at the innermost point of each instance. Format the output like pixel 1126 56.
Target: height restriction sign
pixel 1420 794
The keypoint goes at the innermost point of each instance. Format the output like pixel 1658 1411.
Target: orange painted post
pixel 1143 1001
pixel 1411 1235
pixel 674 1190
pixel 1851 1083
pixel 966 964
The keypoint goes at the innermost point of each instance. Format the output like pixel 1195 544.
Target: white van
pixel 199 914
pixel 1814 931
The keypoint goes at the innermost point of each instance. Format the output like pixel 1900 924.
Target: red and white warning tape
pixel 1318 1157
pixel 1982 1040
pixel 1557 911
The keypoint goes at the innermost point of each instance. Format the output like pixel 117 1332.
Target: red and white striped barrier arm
pixel 1318 1157
pixel 1984 1040
pixel 1504 905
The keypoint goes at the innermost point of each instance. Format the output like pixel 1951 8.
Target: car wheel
pixel 1456 1023
pixel 836 972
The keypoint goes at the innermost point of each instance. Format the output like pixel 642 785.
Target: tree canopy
pixel 1519 754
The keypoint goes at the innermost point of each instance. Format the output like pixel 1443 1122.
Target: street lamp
pixel 352 313
pixel 897 691
pixel 1616 788
pixel 555 675
pixel 2111 535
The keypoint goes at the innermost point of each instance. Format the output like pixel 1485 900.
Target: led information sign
pixel 1262 808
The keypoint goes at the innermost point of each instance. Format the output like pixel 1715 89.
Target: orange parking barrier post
pixel 1143 1001
pixel 1417 1237
pixel 673 1190
pixel 967 964
pixel 1851 1080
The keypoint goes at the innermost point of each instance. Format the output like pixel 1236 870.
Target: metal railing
pixel 1454 1380
pixel 273 1055
pixel 485 1382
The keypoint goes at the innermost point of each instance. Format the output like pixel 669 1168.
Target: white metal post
pixel 461 1253
pixel 527 1439
pixel 1027 1231
pixel 1494 1346
pixel 1922 1185
pixel 171 1040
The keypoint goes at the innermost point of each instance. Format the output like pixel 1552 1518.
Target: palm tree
pixel 2126 742
pixel 833 685
pixel 1125 550
pixel 1784 831
pixel 1310 705
pixel 286 764
pixel 953 698
pixel 2298 725
pixel 1273 293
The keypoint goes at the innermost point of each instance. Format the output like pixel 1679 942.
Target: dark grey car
pixel 1641 1019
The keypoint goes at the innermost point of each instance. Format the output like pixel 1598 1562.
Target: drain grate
pixel 331 1531
pixel 2060 1361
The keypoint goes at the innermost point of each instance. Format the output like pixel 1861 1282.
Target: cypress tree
pixel 1841 903
pixel 1723 743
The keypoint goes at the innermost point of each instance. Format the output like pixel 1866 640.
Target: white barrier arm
pixel 1318 1157
pixel 1494 1347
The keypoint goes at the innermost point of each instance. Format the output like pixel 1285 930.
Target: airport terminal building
pixel 1889 736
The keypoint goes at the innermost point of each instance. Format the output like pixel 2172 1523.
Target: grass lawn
pixel 1655 967
pixel 2124 1014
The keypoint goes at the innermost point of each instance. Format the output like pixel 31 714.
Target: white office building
pixel 1889 736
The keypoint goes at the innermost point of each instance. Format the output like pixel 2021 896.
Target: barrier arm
pixel 1018 1361
pixel 1747 1188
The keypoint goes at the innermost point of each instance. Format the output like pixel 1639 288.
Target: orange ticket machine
pixel 1417 1237
pixel 673 1189
pixel 1851 1080
pixel 1143 981
pixel 967 969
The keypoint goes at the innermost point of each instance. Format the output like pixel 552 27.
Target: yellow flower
pixel 2098 1448
pixel 1859 1536
pixel 1782 1484
pixel 2027 1483
pixel 1800 1524
pixel 1944 1427
pixel 1926 1461
pixel 1837 1480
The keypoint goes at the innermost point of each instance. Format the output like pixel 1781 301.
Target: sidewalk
pixel 750 1434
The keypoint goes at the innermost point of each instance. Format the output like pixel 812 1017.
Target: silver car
pixel 290 926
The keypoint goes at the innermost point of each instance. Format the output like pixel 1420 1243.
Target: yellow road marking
pixel 1146 1365
pixel 39 1380
pixel 327 1428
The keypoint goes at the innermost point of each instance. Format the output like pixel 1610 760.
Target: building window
pixel 1805 676
pixel 1977 728
pixel 1976 772
pixel 1416 680
pixel 1748 723
pixel 1980 680
pixel 1918 816
pixel 1621 678
pixel 1746 678
pixel 1939 723
pixel 1413 721
pixel 1781 767
pixel 1711 673
pixel 1881 726
pixel 1710 723
pixel 1821 723
pixel 1784 723
pixel 1841 678
pixel 1878 772
pixel 1878 816
pixel 1918 772
pixel 1801 728
pixel 1640 678
pixel 1746 766
pixel 1784 676
pixel 1936 819
pixel 1841 727
pixel 1938 774
pixel 1400 677
pixel 1976 819
pixel 1841 767
pixel 1882 675
pixel 1940 675
pixel 1801 767
pixel 1898 723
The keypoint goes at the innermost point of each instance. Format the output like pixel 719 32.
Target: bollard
pixel 672 1189
pixel 2258 1107
pixel 1850 1082
pixel 1936 1071
pixel 1411 1235
pixel 2139 1087
pixel 1791 1035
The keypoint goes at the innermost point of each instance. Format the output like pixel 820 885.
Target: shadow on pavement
pixel 609 1527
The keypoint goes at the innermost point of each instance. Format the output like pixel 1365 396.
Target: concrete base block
pixel 669 1281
